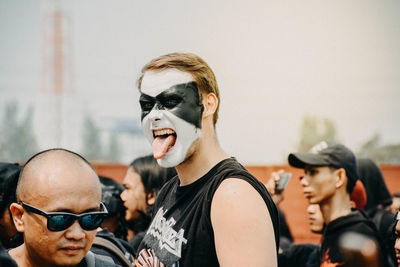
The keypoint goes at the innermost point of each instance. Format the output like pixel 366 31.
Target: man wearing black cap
pixel 330 176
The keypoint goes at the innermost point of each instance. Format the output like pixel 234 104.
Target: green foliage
pixel 114 149
pixel 374 150
pixel 92 149
pixel 17 139
pixel 314 130
pixel 93 145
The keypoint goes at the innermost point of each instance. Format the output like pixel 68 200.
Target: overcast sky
pixel 275 62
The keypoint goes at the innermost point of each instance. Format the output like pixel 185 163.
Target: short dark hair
pixel 9 175
pixel 110 196
pixel 153 175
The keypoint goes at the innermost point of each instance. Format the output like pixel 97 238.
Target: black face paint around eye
pixel 183 100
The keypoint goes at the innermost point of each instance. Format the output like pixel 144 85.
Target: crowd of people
pixel 190 203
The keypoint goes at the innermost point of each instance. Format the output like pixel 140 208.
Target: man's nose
pixel 75 231
pixel 155 115
pixel 397 244
pixel 122 195
pixel 304 180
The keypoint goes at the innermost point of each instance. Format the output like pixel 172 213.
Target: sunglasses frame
pixel 78 217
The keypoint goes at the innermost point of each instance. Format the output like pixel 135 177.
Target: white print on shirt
pixel 161 229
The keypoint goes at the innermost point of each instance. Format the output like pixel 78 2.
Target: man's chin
pixel 70 260
pixel 169 160
pixel 176 157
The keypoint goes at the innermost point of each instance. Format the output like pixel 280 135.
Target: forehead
pixel 132 177
pixel 155 82
pixel 64 186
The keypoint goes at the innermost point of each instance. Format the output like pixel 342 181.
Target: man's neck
pixel 208 153
pixel 335 207
pixel 21 257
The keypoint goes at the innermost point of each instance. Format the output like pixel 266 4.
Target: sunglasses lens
pixel 91 222
pixel 59 222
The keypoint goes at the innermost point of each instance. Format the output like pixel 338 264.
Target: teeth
pixel 163 132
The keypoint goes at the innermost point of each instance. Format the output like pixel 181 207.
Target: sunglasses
pixel 59 221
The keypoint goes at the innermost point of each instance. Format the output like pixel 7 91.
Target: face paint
pixel 182 100
pixel 171 116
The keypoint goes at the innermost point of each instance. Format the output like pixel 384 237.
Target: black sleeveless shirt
pixel 181 232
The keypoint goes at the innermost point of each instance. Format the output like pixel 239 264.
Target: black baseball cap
pixel 328 154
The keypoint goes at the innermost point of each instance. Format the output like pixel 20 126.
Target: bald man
pixel 58 211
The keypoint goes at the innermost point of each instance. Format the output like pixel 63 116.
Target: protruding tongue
pixel 161 145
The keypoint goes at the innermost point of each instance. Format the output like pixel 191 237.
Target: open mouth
pixel 164 140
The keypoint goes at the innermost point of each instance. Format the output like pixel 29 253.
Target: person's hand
pixel 277 196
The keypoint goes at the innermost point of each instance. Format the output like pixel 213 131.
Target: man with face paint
pixel 214 213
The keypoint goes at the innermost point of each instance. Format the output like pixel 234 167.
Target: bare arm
pixel 244 235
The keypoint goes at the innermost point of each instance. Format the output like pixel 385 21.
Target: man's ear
pixel 210 103
pixel 17 212
pixel 341 177
pixel 151 198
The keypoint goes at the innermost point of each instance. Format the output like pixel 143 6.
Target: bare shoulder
pixel 233 189
pixel 237 197
pixel 242 225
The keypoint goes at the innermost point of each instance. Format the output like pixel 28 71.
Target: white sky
pixel 275 62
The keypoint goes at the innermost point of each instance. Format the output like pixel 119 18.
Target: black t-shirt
pixel 181 233
pixel 356 222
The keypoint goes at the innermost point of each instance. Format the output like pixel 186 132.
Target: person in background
pixel 142 182
pixel 9 173
pixel 111 239
pixel 308 254
pixel 397 238
pixel 315 219
pixel 378 201
pixel 330 176
pixel 395 203
pixel 357 201
pixel 378 194
pixel 110 196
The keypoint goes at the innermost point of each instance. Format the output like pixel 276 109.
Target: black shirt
pixel 181 233
pixel 356 222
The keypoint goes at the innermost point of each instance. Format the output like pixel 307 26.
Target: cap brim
pixel 300 160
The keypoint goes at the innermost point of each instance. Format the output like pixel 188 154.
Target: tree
pixel 314 130
pixel 17 139
pixel 92 149
pixel 114 149
pixel 373 149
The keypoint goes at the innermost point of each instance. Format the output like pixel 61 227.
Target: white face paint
pixel 154 83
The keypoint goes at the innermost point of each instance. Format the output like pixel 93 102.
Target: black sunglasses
pixel 59 221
